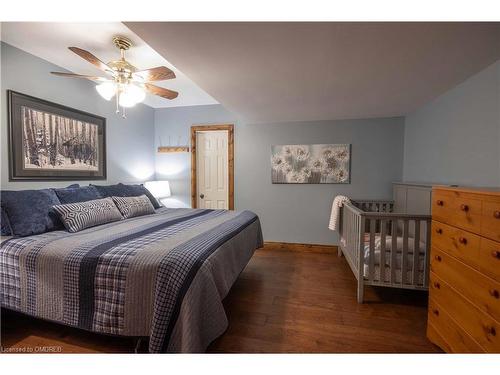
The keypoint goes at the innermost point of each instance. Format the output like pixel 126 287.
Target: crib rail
pixel 374 205
pixel 350 239
pixel 384 248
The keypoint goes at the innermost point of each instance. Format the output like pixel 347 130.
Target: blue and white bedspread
pixel 162 276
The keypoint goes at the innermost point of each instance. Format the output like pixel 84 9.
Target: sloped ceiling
pixel 271 72
pixel 50 41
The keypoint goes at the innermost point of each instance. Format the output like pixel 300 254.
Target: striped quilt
pixel 162 275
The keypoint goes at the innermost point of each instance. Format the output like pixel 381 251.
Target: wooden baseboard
pixel 300 247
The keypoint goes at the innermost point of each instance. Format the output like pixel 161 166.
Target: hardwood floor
pixel 293 302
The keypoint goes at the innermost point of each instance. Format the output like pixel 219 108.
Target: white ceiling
pixel 50 41
pixel 270 72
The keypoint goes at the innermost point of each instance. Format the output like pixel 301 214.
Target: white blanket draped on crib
pixel 335 215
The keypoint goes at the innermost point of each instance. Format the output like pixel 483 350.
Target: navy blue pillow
pixel 122 190
pixel 118 190
pixel 30 211
pixel 78 194
pixel 4 220
pixel 5 224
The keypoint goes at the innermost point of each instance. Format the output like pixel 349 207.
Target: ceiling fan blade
pixel 91 59
pixel 71 75
pixel 160 73
pixel 160 91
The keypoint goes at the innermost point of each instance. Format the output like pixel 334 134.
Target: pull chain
pixel 118 106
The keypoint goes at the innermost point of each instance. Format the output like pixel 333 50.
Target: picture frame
pixel 311 164
pixel 52 142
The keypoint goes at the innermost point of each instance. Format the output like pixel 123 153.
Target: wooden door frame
pixel 230 160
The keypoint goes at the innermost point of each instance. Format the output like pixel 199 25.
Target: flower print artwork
pixel 311 164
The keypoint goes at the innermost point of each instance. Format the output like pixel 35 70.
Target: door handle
pixel 202 195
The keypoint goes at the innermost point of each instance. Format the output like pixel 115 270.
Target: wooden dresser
pixel 464 286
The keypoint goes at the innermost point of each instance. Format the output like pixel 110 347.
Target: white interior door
pixel 212 171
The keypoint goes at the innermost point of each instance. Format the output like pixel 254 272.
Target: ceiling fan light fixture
pixel 127 85
pixel 106 89
pixel 131 95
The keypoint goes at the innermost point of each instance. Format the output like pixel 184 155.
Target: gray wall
pixel 289 213
pixel 130 152
pixel 455 139
pixel 172 123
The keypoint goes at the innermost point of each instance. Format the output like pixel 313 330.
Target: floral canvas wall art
pixel 311 164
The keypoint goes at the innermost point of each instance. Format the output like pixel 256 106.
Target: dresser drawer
pixel 457 242
pixel 457 209
pixel 489 258
pixel 442 206
pixel 444 332
pixel 490 220
pixel 477 288
pixel 480 326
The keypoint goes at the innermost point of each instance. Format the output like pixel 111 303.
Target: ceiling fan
pixel 126 83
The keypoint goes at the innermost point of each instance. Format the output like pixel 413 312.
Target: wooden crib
pixel 375 255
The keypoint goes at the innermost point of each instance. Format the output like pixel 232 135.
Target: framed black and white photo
pixel 49 141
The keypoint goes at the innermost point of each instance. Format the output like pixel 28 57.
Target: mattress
pixel 398 259
pixel 398 251
pixel 397 275
pixel 161 276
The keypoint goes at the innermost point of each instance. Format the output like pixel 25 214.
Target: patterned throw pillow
pixel 78 216
pixel 134 206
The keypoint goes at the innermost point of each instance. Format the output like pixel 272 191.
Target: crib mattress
pixel 398 261
pixel 397 275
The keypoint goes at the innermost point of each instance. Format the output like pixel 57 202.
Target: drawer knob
pixel 438 258
pixel 496 254
pixel 496 214
pixel 463 240
pixel 439 231
pixel 437 285
pixel 439 202
pixel 464 207
pixel 436 312
pixel 495 293
pixel 491 330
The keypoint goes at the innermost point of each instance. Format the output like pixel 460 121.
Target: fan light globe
pixel 107 90
pixel 131 96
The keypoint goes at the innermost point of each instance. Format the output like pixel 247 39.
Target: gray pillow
pixel 81 215
pixel 134 206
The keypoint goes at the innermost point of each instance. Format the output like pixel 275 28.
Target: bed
pixel 161 276
pixel 385 248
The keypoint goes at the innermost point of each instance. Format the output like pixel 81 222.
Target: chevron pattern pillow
pixel 134 206
pixel 81 215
